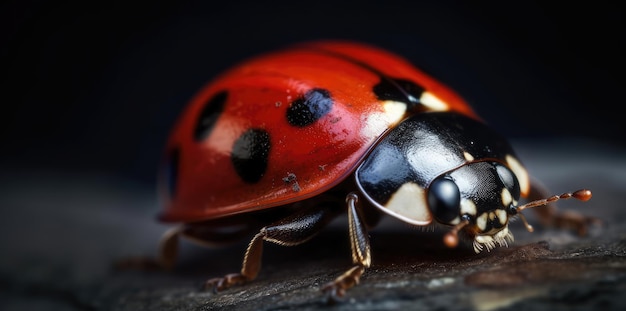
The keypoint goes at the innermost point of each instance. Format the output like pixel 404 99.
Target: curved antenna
pixel 582 194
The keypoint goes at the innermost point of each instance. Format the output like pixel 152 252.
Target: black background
pixel 96 86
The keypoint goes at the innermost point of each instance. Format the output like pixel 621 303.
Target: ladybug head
pixel 450 169
pixel 478 197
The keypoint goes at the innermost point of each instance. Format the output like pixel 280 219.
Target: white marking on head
pixel 521 174
pixel 502 216
pixel 506 197
pixel 410 204
pixel 481 221
pixel 468 207
pixel 468 157
pixel 433 102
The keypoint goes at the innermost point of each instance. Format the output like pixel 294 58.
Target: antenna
pixel 582 194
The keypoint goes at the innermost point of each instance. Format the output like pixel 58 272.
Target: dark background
pixel 90 90
pixel 95 86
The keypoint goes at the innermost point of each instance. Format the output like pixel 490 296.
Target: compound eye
pixel 444 199
pixel 509 180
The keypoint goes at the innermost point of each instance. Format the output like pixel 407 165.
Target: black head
pixel 446 168
pixel 453 170
pixel 481 196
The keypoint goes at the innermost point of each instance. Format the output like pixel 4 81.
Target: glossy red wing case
pixel 287 126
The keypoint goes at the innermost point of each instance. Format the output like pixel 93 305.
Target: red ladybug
pixel 283 143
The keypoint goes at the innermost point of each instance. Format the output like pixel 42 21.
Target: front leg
pixel 360 246
pixel 293 230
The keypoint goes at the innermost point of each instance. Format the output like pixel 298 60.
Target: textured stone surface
pixel 62 233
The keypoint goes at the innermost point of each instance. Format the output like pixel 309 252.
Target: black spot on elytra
pixel 250 154
pixel 399 90
pixel 171 171
pixel 310 107
pixel 209 115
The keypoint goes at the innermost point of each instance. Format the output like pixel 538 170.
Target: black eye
pixel 444 199
pixel 509 180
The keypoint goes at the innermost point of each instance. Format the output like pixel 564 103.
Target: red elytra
pixel 317 156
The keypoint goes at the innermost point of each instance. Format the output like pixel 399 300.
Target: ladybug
pixel 278 146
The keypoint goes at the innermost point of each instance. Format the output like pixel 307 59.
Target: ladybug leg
pixel 549 215
pixel 168 250
pixel 293 230
pixel 361 258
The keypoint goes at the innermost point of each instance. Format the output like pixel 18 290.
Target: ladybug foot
pixel 219 284
pixel 336 290
pixel 334 293
pixel 579 223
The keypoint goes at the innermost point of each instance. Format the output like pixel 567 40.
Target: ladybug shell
pixel 289 125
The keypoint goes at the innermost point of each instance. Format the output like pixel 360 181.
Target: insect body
pixel 283 143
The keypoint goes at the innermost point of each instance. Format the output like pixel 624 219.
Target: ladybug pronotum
pixel 281 144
